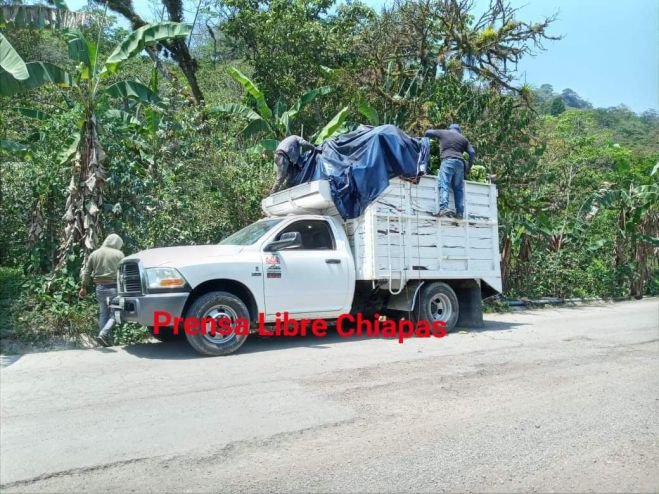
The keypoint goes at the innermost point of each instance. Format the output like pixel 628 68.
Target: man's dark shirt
pixel 452 144
pixel 293 146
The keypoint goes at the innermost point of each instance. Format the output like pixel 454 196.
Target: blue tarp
pixel 359 165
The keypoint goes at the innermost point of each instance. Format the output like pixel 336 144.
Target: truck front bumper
pixel 142 308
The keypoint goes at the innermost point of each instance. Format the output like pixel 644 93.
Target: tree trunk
pixel 85 199
pixel 177 47
pixel 506 253
pixel 188 66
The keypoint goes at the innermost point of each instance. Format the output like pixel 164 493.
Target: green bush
pixel 49 308
pixel 10 289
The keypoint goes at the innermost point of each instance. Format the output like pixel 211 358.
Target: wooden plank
pixel 449 261
pixel 431 253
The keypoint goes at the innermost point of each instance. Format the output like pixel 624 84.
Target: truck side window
pixel 316 234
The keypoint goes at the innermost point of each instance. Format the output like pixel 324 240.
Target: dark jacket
pixel 292 147
pixel 452 145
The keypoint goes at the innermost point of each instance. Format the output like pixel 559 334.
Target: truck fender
pixel 234 287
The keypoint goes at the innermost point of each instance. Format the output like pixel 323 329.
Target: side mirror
pixel 288 240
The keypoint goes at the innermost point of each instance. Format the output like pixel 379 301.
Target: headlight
pixel 164 278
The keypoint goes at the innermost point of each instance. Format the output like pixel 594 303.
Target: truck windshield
pixel 250 234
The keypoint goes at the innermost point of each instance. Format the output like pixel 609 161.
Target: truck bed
pixel 398 239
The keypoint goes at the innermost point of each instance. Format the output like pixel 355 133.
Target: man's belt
pixel 106 282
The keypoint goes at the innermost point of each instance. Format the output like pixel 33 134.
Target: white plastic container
pixel 309 198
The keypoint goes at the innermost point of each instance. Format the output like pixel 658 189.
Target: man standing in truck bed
pixel 102 264
pixel 287 159
pixel 453 169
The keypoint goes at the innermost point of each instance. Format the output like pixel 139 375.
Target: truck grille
pixel 129 278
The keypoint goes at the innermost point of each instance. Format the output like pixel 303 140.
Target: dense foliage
pixel 180 135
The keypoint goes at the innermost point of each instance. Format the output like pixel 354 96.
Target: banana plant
pixel 334 127
pixel 89 85
pixel 637 224
pixel 273 125
pixel 12 68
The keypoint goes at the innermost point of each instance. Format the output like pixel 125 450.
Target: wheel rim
pixel 219 312
pixel 440 307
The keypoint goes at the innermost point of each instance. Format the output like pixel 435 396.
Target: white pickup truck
pixel 303 259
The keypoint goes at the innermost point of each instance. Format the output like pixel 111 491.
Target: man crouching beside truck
pixel 102 265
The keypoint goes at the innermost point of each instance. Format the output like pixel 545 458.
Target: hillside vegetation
pixel 172 144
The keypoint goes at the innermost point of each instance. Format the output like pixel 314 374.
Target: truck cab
pixel 298 264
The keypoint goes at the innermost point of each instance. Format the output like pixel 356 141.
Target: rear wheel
pixel 217 306
pixel 437 302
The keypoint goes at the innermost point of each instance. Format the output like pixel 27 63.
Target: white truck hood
pixel 184 255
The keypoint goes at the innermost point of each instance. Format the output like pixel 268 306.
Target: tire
pixel 437 302
pixel 217 305
pixel 166 334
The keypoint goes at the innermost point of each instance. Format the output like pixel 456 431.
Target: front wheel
pixel 437 302
pixel 217 306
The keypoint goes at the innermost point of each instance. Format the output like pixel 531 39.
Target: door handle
pixel 333 261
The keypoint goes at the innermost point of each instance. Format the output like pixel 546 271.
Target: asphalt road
pixel 548 400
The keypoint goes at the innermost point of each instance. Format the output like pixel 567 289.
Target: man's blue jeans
pixel 452 174
pixel 105 317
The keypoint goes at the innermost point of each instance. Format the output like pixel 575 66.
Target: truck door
pixel 309 280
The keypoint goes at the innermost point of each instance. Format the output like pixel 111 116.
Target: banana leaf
pixel 139 39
